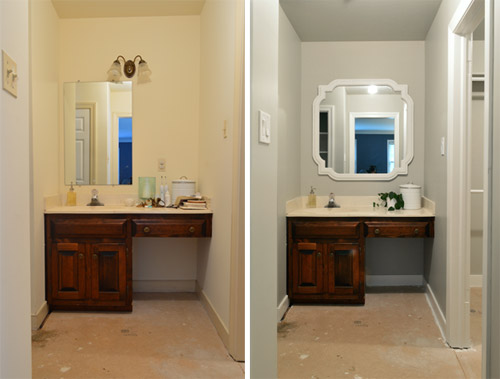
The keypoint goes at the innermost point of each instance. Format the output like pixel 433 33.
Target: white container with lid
pixel 183 187
pixel 411 196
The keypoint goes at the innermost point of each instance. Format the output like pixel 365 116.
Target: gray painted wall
pixel 435 165
pixel 288 135
pixel 403 62
pixel 263 189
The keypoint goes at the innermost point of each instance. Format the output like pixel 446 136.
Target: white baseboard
pixel 476 280
pixel 214 316
pixel 394 280
pixel 282 308
pixel 164 285
pixel 436 310
pixel 39 316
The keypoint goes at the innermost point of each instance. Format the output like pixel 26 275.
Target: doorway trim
pixel 465 20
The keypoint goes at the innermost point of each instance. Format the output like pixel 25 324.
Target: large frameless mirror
pixel 363 129
pixel 98 133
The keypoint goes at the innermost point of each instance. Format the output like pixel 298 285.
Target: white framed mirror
pixel 363 129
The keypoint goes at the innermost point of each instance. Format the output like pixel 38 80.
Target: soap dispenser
pixel 311 201
pixel 71 197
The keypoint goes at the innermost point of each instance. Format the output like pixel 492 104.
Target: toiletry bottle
pixel 71 197
pixel 167 196
pixel 311 201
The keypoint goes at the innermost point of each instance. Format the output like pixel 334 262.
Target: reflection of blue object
pixel 372 151
pixel 125 150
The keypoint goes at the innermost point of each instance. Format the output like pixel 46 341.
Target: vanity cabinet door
pixel 343 262
pixel 307 268
pixel 108 278
pixel 68 270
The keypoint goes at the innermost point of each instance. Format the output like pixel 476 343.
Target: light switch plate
pixel 9 74
pixel 264 127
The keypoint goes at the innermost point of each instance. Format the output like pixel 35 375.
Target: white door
pixel 82 148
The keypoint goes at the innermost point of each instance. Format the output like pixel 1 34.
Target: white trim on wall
pixel 283 307
pixel 436 310
pixel 463 23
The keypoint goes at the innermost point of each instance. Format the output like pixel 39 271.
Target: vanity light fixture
pixel 372 89
pixel 143 71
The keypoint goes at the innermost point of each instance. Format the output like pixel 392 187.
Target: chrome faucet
pixel 331 202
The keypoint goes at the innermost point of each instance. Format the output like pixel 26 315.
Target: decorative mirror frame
pixel 403 167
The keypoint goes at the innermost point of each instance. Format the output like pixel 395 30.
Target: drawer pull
pixel 318 255
pixel 416 231
pixel 94 256
pixel 377 231
pixel 146 229
pixel 80 256
pixel 191 229
pixel 331 254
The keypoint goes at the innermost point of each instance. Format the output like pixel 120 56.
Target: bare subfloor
pixel 393 336
pixel 166 336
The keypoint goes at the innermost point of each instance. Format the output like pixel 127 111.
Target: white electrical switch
pixel 264 127
pixel 9 74
pixel 443 146
pixel 161 164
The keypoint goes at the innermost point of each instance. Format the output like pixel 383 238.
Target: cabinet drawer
pixel 325 229
pixel 169 228
pixel 89 227
pixel 386 229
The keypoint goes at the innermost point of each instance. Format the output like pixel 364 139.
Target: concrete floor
pixel 393 336
pixel 166 336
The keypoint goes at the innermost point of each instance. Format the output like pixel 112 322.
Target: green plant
pixel 386 196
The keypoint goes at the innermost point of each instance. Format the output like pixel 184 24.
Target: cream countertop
pixel 112 205
pixel 353 206
pixel 121 209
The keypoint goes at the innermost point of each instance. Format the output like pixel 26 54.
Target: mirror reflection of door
pixel 82 132
pixel 373 148
pixel 125 150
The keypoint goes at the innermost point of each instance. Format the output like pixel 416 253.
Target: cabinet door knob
pixel 191 229
pixel 318 254
pixel 416 231
pixel 377 231
pixel 80 256
pixel 331 254
pixel 146 229
pixel 94 256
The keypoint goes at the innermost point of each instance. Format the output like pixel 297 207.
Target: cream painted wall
pixel 45 146
pixel 402 62
pixel 15 201
pixel 264 37
pixel 436 122
pixel 217 107
pixel 288 138
pixel 165 112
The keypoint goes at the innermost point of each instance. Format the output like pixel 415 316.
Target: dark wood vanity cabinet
pixel 89 257
pixel 88 262
pixel 325 261
pixel 326 256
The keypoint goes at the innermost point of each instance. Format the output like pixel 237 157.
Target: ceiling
pixel 361 20
pixel 126 8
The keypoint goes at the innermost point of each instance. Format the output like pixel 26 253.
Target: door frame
pixel 465 20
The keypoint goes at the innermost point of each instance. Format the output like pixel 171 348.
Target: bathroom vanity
pixel 88 251
pixel 326 247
